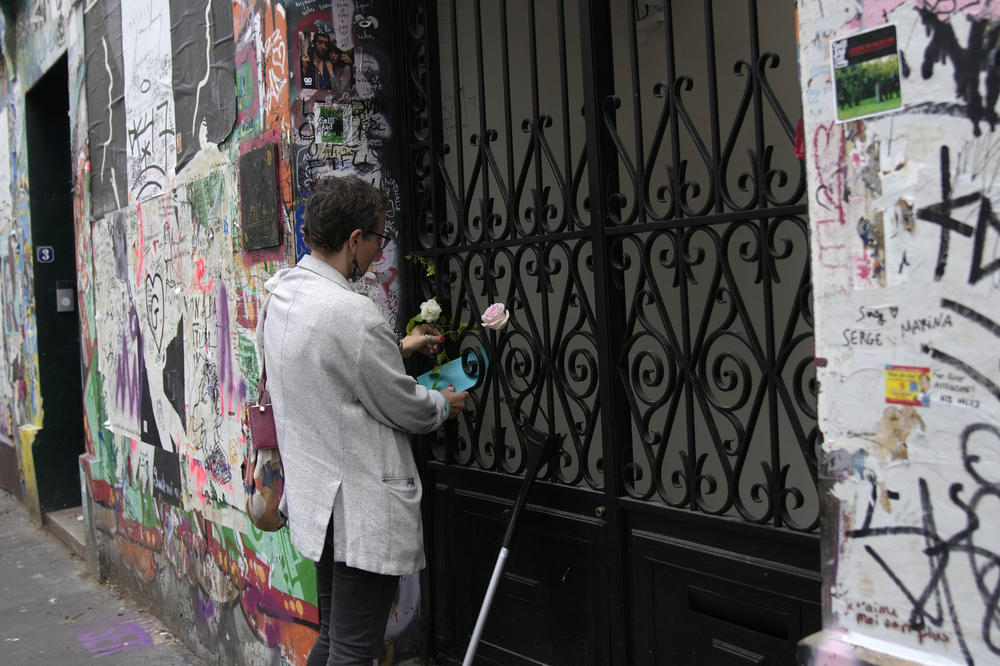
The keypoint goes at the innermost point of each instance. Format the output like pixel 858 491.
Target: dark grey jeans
pixel 354 608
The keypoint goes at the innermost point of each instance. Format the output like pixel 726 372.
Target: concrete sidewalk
pixel 53 612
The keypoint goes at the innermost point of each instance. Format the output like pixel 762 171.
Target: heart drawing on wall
pixel 154 308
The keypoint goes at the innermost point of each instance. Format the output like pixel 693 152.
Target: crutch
pixel 540 447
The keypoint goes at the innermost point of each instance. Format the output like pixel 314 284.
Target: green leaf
pixel 410 325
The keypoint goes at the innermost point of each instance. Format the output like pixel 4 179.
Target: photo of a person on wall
pixel 322 66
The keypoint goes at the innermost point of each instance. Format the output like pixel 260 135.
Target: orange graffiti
pixel 139 559
pixel 235 446
pixel 277 104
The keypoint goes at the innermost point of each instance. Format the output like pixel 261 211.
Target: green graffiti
pixel 248 363
pixel 206 197
pixel 291 573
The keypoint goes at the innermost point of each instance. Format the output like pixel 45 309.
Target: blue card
pixel 452 373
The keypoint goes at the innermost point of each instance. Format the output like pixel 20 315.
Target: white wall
pixel 914 543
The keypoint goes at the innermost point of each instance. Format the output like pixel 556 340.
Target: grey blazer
pixel 342 404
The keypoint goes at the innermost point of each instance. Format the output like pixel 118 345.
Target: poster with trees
pixel 866 73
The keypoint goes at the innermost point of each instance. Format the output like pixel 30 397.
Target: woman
pixel 343 405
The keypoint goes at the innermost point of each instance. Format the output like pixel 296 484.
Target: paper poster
pixel 323 66
pixel 105 74
pixel 329 123
pixel 907 385
pixel 151 148
pixel 201 37
pixel 866 74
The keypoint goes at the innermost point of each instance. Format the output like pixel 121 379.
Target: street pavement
pixel 53 612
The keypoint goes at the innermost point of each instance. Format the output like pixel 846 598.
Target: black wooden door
pixel 623 176
pixel 60 441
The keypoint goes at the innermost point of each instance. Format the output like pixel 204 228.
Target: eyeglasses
pixel 383 239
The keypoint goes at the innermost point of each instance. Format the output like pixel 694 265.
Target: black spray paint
pixel 981 320
pixel 931 599
pixel 173 372
pixel 940 214
pixel 106 106
pixel 202 53
pixel 167 476
pixel 969 64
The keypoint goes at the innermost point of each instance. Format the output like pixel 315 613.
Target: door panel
pixel 699 604
pixel 552 585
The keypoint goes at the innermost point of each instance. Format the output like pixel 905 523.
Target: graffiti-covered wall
pixel 198 128
pixel 902 144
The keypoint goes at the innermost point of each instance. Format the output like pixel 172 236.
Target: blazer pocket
pixel 401 482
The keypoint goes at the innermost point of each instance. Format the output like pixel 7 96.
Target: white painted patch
pixel 151 147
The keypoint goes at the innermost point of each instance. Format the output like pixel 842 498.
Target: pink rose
pixel 495 317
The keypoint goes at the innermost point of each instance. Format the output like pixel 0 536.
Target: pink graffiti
pixel 828 158
pixel 392 273
pixel 875 11
pixel 229 383
pixel 138 248
pixel 200 272
pixel 863 267
pixel 196 474
pixel 832 253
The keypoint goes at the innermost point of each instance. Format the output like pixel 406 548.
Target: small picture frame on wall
pixel 259 214
pixel 866 78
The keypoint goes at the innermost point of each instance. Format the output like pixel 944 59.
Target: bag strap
pixel 259 342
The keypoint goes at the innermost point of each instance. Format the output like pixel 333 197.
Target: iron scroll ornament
pixel 698 245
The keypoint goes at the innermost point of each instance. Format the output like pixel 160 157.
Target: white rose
pixel 495 317
pixel 430 311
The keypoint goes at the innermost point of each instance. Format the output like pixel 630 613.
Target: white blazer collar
pixel 323 269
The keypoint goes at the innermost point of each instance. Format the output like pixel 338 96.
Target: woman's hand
pixel 456 400
pixel 424 339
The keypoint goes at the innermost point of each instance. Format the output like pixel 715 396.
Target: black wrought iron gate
pixel 622 175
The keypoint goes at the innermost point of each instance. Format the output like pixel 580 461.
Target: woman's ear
pixel 354 239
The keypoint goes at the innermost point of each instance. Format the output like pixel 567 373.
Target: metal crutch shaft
pixel 537 454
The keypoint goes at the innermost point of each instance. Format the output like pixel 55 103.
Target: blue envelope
pixel 452 373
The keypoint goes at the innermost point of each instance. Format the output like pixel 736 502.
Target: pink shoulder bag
pixel 263 475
